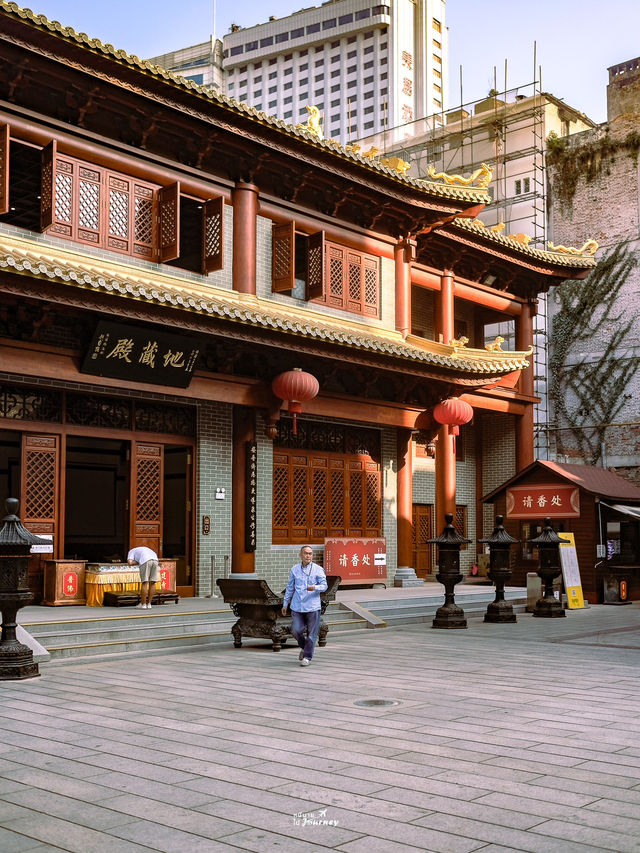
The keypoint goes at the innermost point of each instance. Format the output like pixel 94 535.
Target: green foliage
pixel 592 392
pixel 588 160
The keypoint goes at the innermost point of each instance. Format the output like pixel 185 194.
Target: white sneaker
pixel 140 606
pixel 148 606
pixel 305 662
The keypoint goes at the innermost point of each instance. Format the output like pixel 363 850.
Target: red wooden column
pixel 245 217
pixel 445 445
pixel 405 573
pixel 404 253
pixel 244 430
pixel 524 423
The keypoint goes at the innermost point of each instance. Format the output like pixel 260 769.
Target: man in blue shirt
pixel 306 581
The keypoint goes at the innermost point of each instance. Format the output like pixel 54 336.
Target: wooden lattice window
pixel 96 206
pixel 335 275
pixel 318 495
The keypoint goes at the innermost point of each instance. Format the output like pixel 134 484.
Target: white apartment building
pixel 366 66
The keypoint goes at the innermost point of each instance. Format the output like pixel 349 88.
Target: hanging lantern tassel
pixel 295 387
pixel 453 413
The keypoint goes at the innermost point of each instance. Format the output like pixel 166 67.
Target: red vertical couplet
pixel 244 431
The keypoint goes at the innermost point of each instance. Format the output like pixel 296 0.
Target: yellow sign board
pixel 571 572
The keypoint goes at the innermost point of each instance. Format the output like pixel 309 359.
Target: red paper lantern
pixel 453 413
pixel 295 387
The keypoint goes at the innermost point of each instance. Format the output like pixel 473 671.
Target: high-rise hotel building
pixel 367 67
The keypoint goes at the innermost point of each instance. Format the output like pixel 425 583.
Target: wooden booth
pixel 601 509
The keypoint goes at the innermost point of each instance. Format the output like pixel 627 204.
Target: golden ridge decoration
pixel 589 248
pixel 496 346
pixel 460 342
pixel 312 124
pixel 481 177
pixel 498 229
pixel 397 164
pixel 521 238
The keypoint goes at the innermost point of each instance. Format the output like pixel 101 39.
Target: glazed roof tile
pixel 161 288
pixel 565 259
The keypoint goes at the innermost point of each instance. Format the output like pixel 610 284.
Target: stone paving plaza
pixel 510 737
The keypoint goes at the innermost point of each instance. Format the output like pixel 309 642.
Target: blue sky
pixel 575 45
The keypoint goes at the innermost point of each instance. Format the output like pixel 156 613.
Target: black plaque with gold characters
pixel 141 355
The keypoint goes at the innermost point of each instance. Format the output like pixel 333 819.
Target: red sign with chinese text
pixel 165 579
pixel 541 500
pixel 357 561
pixel 70 584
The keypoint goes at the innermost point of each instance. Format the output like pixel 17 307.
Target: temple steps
pixel 69 633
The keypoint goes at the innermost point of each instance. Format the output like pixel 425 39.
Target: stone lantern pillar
pixel 449 542
pixel 16 659
pixel 548 545
pixel 499 544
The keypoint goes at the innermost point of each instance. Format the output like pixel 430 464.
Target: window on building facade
pixel 368 125
pixel 381 10
pixel 352 84
pixel 319 94
pixel 362 14
pixel 335 44
pixel 329 24
pixel 437 88
pixel 526 185
pixel 303 96
pixel 368 49
pixel 352 69
pixel 251 45
pixel 238 49
pixel 288 115
pixel 335 73
pixel 437 103
pixel 382 91
pixel 345 19
pixel 313 28
pixel 368 110
pixel 273 105
pixel 304 52
pixel 437 44
pixel 335 58
pixel 368 35
pixel 326 483
pixel 334 275
pixel 282 37
pixel 288 71
pixel 288 100
pixel 304 67
pixel 273 90
pixel 352 54
pixel 288 85
pixel 266 42
pixel 335 88
pixel 335 103
pixel 368 64
pixel 352 39
pixel 99 207
pixel 437 28
pixel 273 75
pixel 297 34
pixel 437 59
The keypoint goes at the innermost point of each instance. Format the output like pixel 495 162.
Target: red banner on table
pixel 356 560
pixel 70 584
pixel 541 500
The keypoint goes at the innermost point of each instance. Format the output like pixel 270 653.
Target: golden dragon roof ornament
pixel 589 248
pixel 481 177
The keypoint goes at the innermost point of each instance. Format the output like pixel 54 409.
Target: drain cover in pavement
pixel 376 703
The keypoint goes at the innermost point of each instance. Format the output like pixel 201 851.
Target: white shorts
pixel 149 571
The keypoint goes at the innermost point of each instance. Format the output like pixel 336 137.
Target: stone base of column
pixel 244 576
pixel 549 608
pixel 16 662
pixel 449 616
pixel 500 611
pixel 406 576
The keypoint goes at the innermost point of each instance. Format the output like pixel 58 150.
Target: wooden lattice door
pixel 146 501
pixel 422 531
pixel 40 498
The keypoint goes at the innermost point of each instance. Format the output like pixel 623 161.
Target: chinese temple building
pixel 223 336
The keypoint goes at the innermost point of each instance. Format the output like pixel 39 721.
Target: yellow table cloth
pixel 119 580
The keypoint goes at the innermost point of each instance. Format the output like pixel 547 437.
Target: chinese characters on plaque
pixel 356 560
pixel 141 355
pixel 251 495
pixel 542 501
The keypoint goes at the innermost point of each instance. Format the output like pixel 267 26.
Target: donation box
pixel 357 561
